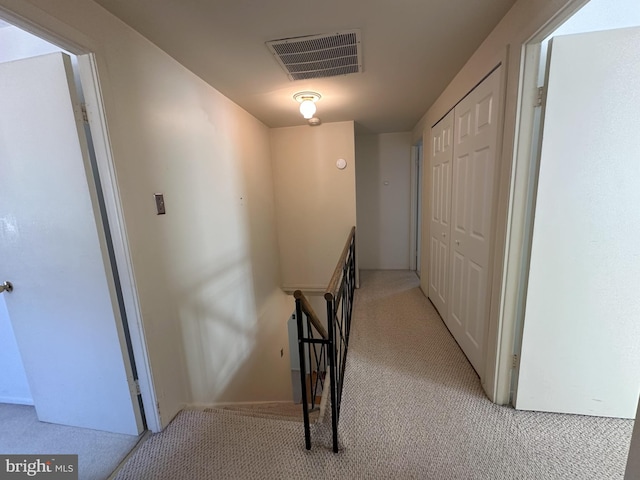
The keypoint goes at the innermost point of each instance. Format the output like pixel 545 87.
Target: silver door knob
pixel 444 234
pixel 457 242
pixel 6 287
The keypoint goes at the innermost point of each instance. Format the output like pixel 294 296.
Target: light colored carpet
pixel 99 453
pixel 412 408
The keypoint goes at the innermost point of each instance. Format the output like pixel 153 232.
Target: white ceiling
pixel 411 51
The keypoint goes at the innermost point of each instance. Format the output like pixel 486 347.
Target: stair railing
pixel 339 298
pixel 312 351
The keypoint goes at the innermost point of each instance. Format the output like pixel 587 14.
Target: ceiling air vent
pixel 319 56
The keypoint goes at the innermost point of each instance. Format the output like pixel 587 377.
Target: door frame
pixel 39 23
pixel 417 167
pixel 506 333
pixel 526 163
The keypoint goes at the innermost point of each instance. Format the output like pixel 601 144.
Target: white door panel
pixel 481 195
pixel 476 282
pixel 440 162
pixel 460 191
pixel 457 294
pixel 581 339
pixel 63 308
pixel 475 152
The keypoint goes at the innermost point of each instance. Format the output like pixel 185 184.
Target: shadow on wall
pixel 209 271
pixel 233 313
pixel 234 350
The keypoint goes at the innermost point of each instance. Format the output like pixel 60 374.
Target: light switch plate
pixel 160 203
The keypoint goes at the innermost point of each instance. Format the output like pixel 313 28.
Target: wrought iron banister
pixel 339 299
pixel 307 321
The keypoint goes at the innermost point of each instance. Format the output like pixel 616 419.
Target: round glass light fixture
pixel 307 109
pixel 307 103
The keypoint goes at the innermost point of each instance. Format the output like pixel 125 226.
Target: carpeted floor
pixel 99 453
pixel 412 408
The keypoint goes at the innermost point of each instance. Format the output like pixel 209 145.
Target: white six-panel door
pixel 581 338
pixel 475 145
pixel 441 161
pixel 460 247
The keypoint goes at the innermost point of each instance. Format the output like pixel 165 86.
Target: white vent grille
pixel 319 56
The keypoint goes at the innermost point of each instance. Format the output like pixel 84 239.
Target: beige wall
pixel 315 201
pixel 383 186
pixel 207 274
pixel 521 22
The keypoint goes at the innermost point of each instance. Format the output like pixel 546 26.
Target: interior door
pixel 62 308
pixel 474 158
pixel 581 338
pixel 440 163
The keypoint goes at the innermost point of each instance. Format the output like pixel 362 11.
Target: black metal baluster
pixel 332 370
pixel 303 376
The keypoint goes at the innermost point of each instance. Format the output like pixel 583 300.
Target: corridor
pixel 412 408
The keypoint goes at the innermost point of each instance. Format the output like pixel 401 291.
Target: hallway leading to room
pixel 412 407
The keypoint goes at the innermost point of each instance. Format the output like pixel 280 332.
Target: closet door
pixel 440 163
pixel 474 159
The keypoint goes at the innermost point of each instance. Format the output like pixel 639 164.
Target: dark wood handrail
pixel 308 310
pixel 334 283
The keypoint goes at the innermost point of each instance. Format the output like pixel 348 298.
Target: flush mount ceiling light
pixel 307 103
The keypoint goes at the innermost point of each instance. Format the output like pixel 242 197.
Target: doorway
pixel 581 344
pixel 16 388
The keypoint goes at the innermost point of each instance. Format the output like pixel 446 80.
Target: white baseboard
pixel 17 401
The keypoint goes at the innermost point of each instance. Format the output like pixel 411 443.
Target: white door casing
pixel 440 163
pixel 63 308
pixel 472 200
pixel 581 337
pixel 416 207
pixel 419 169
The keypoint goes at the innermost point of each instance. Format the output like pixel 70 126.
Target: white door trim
pixel 39 23
pixel 108 179
pixel 413 248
